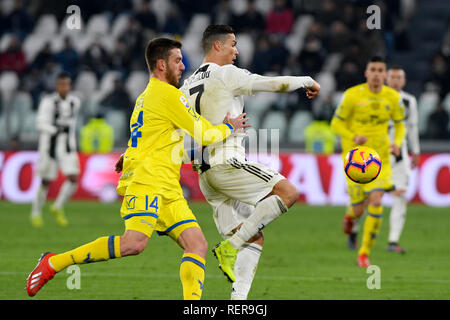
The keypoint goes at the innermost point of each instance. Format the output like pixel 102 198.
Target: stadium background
pixel 328 40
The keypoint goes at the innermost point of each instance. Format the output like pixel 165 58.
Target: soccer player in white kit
pixel 401 167
pixel 245 196
pixel 56 120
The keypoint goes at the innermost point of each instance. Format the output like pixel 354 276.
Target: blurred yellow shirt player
pixel 366 113
pixel 362 118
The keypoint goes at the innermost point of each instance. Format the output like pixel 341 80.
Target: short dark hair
pixel 159 48
pixel 63 75
pixel 215 32
pixel 377 59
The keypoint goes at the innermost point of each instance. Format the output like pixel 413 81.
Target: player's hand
pixel 239 123
pixel 313 91
pixel 119 164
pixel 395 149
pixel 414 161
pixel 360 140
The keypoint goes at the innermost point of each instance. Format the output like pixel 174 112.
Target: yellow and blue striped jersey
pixel 365 113
pixel 160 118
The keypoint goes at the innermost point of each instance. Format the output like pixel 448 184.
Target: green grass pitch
pixel 304 257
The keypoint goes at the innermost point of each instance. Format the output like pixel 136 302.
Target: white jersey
pixel 411 140
pixel 216 90
pixel 56 121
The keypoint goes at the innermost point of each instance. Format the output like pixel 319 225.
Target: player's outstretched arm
pixel 284 84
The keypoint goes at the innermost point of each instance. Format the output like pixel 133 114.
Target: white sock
pixel 356 224
pixel 265 212
pixel 39 201
pixel 245 267
pixel 397 218
pixel 67 189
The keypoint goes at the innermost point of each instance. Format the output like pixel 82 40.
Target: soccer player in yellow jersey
pixel 362 118
pixel 153 198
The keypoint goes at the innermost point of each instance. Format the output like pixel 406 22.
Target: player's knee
pixel 137 247
pixel 130 246
pixel 358 211
pixel 199 247
pixel 287 192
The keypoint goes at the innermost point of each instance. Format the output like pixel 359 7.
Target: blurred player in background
pixel 56 121
pixel 401 167
pixel 240 192
pixel 153 198
pixel 362 118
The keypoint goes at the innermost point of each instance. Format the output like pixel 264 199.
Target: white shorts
pixel 401 170
pixel 47 167
pixel 234 189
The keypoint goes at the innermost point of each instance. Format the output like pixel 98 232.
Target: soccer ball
pixel 362 164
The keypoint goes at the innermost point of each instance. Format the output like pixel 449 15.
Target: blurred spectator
pixel 251 21
pixel 371 39
pixel 280 19
pixel 311 57
pixel 339 37
pixel 354 53
pixel 262 56
pixel 96 59
pixel 221 13
pixel 118 99
pixel 348 75
pixel 175 23
pixel 278 54
pixel 132 38
pixel 68 58
pixel 349 16
pixel 33 83
pixel 19 21
pixel 97 136
pixel 121 57
pixel 146 17
pixel 328 13
pixel 49 76
pixel 437 126
pixel 13 58
pixel 44 56
pixel 440 74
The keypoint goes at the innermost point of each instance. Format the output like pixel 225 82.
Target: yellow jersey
pixel 365 113
pixel 161 117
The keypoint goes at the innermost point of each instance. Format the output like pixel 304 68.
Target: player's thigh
pixel 175 218
pixel 141 209
pixel 356 193
pixel 247 182
pixel 69 164
pixel 47 168
pixel 400 173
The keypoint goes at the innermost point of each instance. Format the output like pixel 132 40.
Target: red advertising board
pixel 320 179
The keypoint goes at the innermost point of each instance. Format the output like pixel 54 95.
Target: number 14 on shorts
pixel 149 203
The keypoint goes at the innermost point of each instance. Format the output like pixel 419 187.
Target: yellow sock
pixel 371 228
pixel 192 274
pixel 104 248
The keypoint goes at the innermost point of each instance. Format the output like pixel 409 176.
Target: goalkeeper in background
pixel 362 118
